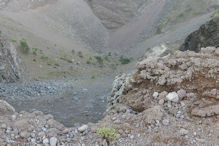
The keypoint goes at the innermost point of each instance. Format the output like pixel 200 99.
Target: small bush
pixel 99 60
pixel 80 54
pixel 124 60
pixel 106 58
pixel 14 41
pixel 34 50
pixel 73 51
pixel 109 134
pixel 65 58
pixel 24 46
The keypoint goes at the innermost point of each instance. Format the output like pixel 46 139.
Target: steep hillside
pixel 63 36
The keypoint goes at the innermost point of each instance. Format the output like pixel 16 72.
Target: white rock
pixel 45 141
pixel 83 128
pixel 165 122
pixel 53 141
pixel 3 126
pixel 161 101
pixel 13 117
pixel 155 95
pixel 183 131
pixel 173 96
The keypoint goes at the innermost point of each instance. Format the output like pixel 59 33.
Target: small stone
pixel 163 94
pixel 132 136
pixel 83 128
pixel 155 95
pixel 53 141
pixel 13 117
pixel 181 93
pixel 161 101
pixel 183 132
pixel 3 126
pixel 24 134
pixel 45 141
pixel 165 122
pixel 173 96
pixel 41 134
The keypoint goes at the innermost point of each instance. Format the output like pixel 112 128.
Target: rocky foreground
pixel 172 100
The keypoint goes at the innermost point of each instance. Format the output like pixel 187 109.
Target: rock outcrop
pixel 207 35
pixel 10 64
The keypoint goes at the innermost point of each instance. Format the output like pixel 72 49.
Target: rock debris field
pixel 170 100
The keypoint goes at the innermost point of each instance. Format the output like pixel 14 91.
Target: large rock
pixel 10 64
pixel 207 35
pixel 5 108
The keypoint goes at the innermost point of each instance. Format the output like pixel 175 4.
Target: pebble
pixel 183 131
pixel 4 126
pixel 155 95
pixel 161 101
pixel 24 134
pixel 83 128
pixel 181 93
pixel 173 96
pixel 13 117
pixel 45 141
pixel 165 122
pixel 53 141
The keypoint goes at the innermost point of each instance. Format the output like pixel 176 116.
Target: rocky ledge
pixel 173 100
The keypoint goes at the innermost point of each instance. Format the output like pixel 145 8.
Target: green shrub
pixel 124 60
pixel 80 54
pixel 44 57
pixel 216 13
pixel 106 58
pixel 34 50
pixel 109 134
pixel 24 46
pixel 99 60
pixel 14 41
pixel 73 51
pixel 65 58
pixel 41 51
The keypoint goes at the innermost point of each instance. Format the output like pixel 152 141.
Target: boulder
pixel 5 108
pixel 207 35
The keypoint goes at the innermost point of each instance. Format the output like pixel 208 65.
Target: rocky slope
pixel 170 100
pixel 11 68
pixel 207 35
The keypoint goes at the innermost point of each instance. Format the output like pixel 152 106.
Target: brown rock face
pixel 10 64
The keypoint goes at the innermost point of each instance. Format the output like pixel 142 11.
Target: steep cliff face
pixel 114 14
pixel 10 64
pixel 207 35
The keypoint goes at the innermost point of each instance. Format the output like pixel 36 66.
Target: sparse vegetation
pixel 44 57
pixel 216 13
pixel 106 58
pixel 65 58
pixel 109 134
pixel 99 60
pixel 80 54
pixel 73 51
pixel 124 60
pixel 24 46
pixel 34 50
pixel 14 41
